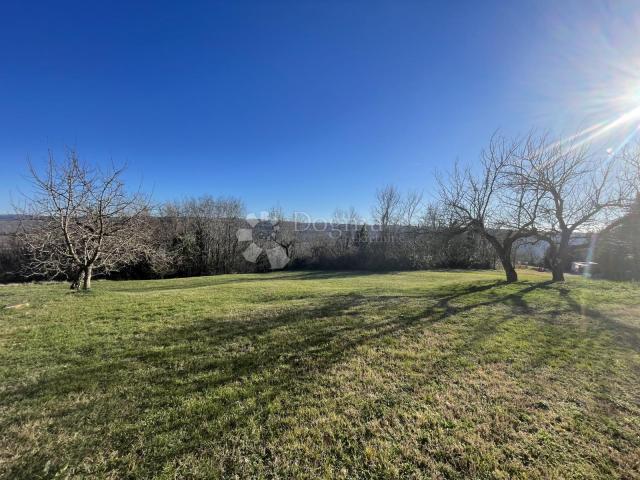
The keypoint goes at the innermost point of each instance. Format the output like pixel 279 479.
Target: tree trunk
pixel 86 281
pixel 557 272
pixel 561 257
pixel 77 280
pixel 504 254
pixel 509 270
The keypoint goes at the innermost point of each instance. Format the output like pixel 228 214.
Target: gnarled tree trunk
pixel 509 269
pixel 86 280
pixel 557 272
pixel 77 281
pixel 503 249
pixel 559 256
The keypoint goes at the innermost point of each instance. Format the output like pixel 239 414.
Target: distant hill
pixel 9 224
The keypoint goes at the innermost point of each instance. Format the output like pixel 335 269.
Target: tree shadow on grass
pixel 211 281
pixel 233 370
pixel 625 334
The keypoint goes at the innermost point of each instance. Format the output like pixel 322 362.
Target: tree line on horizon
pixel 80 221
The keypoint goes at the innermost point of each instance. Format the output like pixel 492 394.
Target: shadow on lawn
pixel 625 334
pixel 211 281
pixel 239 368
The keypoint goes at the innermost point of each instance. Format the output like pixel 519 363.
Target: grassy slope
pixel 319 374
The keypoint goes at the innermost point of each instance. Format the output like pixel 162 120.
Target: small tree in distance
pixel 387 212
pixel 80 221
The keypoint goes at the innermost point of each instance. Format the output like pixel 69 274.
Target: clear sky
pixel 309 104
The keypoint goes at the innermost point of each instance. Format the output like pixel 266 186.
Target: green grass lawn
pixel 340 375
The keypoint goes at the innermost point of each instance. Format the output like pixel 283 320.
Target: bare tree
pixel 202 233
pixel 347 220
pixel 579 193
pixel 410 207
pixel 82 221
pixel 345 224
pixel 348 217
pixel 387 211
pixel 284 234
pixel 491 203
pixel 230 212
pixel 631 173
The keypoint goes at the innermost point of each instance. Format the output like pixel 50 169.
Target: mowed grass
pixel 322 375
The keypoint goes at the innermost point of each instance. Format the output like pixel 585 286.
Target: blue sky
pixel 308 104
